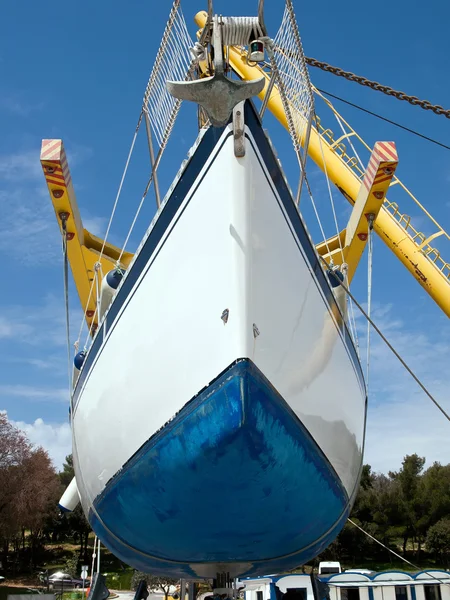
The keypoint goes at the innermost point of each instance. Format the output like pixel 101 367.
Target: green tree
pixel 71 566
pixel 412 506
pixel 28 492
pixel 438 539
pixel 435 490
pixel 68 473
pixel 367 477
pixel 154 583
pixel 37 499
pixel 76 522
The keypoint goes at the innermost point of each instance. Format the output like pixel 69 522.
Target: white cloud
pixel 9 328
pixel 43 364
pixel 24 166
pixel 28 229
pixel 16 105
pixel 28 232
pixel 95 225
pixel 41 324
pixel 401 418
pixel 411 425
pixel 56 438
pixel 34 393
pixel 20 166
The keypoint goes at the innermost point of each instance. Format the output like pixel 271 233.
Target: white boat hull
pixel 225 291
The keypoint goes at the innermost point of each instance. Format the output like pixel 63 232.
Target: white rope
pixel 319 221
pixel 369 301
pixel 94 554
pixel 349 140
pixel 198 52
pixel 237 31
pixel 395 553
pixel 144 195
pixel 95 280
pixel 98 272
pixel 351 319
pixel 330 193
pixel 161 106
pixel 293 80
pixel 66 302
pixel 352 322
pixel 119 191
pixel 141 204
pixel 83 320
pixel 89 333
pixel 369 268
pixel 98 556
pixel 172 63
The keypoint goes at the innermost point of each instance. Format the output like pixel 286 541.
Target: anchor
pixel 218 94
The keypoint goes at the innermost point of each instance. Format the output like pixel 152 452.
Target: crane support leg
pixel 372 192
pixel 83 248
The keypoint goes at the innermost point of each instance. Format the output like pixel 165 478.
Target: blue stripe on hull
pixel 234 477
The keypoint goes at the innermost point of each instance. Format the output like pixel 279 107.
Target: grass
pixel 72 596
pixel 119 580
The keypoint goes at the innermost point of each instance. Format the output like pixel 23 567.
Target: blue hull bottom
pixel 234 478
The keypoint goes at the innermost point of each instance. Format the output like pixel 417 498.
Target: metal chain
pixel 374 85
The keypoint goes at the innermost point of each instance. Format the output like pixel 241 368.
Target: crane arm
pixel 84 249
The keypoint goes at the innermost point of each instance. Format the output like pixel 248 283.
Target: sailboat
pixel 218 415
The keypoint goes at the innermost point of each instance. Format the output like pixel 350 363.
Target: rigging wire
pixel 94 554
pixel 98 270
pixel 311 197
pixel 353 328
pixel 144 195
pixel 352 320
pixel 119 191
pixel 66 297
pixel 395 553
pixel 369 297
pixel 83 322
pixel 98 556
pixel 330 193
pixel 390 346
pixel 348 136
pixel 396 179
pixel 413 131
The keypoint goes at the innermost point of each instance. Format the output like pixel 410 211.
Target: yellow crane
pixel 423 261
pixel 412 248
pixel 84 250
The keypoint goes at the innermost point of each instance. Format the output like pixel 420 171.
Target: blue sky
pixel 78 71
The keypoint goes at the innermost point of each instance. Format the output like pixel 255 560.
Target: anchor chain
pixel 374 85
